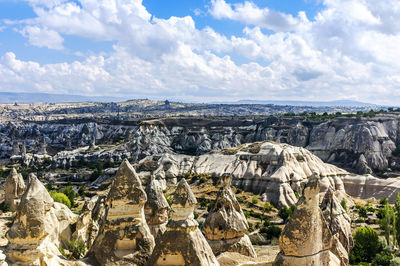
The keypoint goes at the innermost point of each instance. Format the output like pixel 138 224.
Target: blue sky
pixel 203 50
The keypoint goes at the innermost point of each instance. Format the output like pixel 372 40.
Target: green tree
pixel 387 221
pixel 366 245
pixel 396 222
pixel 61 198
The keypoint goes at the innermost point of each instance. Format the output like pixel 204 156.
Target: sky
pixel 203 50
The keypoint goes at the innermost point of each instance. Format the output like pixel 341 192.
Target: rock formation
pixel 39 228
pixel 14 188
pixel 124 237
pixel 89 222
pixel 182 243
pixel 156 208
pixel 226 226
pixel 16 150
pixel 307 238
pixel 339 224
pixel 273 170
pixel 368 186
pixel 43 146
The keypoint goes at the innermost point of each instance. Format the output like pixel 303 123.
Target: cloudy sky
pixel 203 50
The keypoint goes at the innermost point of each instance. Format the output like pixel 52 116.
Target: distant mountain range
pixel 22 97
pixel 26 97
pixel 345 103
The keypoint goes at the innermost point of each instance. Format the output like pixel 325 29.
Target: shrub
pixel 383 201
pixel 255 200
pixel 366 245
pixel 285 212
pixel 210 206
pixel 395 261
pixel 76 250
pixel 363 212
pixel 238 191
pixel 4 207
pixel 196 215
pixel 267 207
pixel 344 204
pixel 61 198
pixel 383 258
pixel 396 152
pixel 168 198
pixel 70 194
pixel 271 231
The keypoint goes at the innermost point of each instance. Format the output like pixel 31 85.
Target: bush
pixel 61 198
pixel 396 152
pixel 363 212
pixel 70 194
pixel 196 215
pixel 267 207
pixel 382 259
pixel 4 207
pixel 238 191
pixel 366 245
pixel 271 231
pixel 344 204
pixel 255 200
pixel 395 261
pixel 383 201
pixel 76 250
pixel 285 212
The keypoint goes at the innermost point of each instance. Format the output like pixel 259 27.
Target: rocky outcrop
pixel 14 188
pixel 39 228
pixel 271 169
pixel 182 243
pixel 156 208
pixel 365 144
pixel 308 239
pixel 339 224
pixel 368 186
pixel 226 226
pixel 89 222
pixel 124 237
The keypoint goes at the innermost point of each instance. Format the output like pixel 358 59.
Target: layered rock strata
pixel 226 226
pixel 182 243
pixel 14 188
pixel 124 237
pixel 156 208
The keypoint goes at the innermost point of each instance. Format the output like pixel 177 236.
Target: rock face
pixel 182 243
pixel 226 226
pixel 14 188
pixel 274 170
pixel 89 222
pixel 156 208
pixel 368 186
pixel 308 239
pixel 365 144
pixel 339 224
pixel 39 228
pixel 124 237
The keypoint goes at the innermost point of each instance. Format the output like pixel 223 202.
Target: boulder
pixel 124 237
pixel 14 188
pixel 226 226
pixel 182 243
pixel 156 208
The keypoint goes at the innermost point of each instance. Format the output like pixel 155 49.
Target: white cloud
pixel 349 50
pixel 43 37
pixel 250 14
